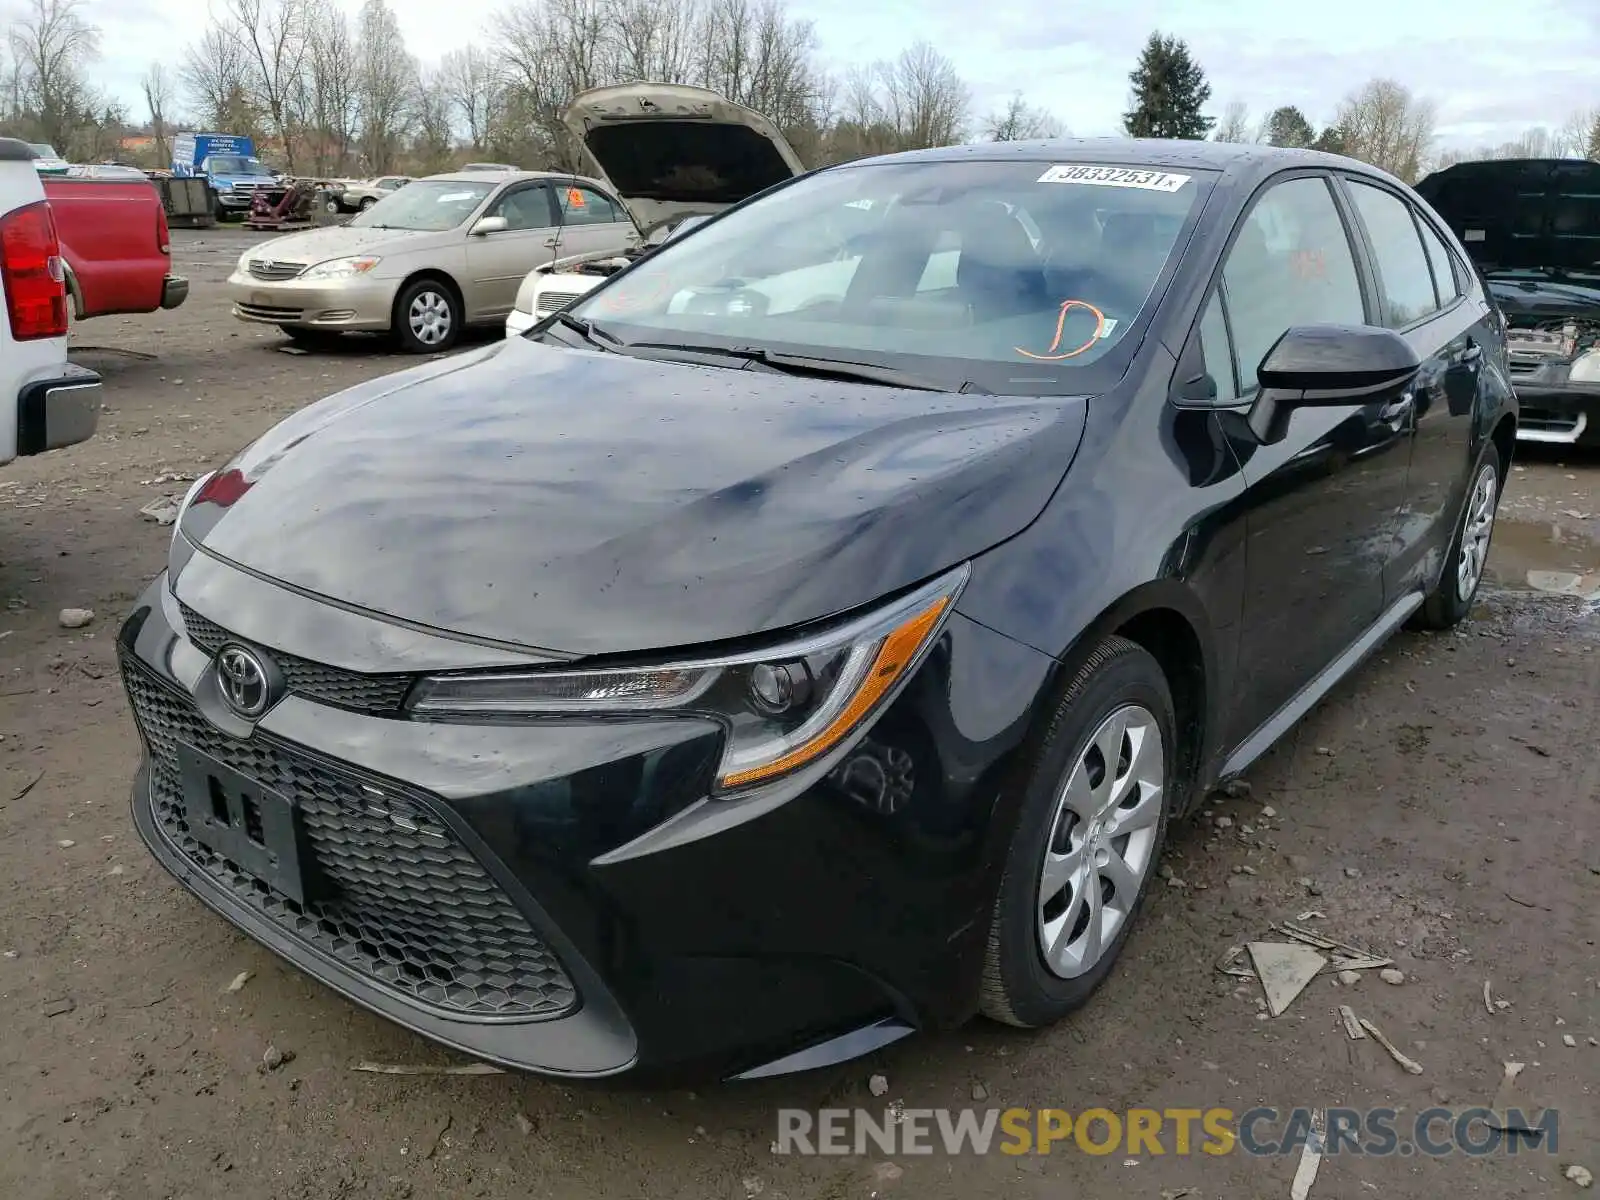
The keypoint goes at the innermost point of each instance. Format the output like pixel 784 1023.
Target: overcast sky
pixel 1494 67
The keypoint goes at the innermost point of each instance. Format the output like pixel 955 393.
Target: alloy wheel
pixel 1102 841
pixel 429 317
pixel 1476 532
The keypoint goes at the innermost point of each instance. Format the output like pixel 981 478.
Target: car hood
pixel 1521 214
pixel 669 150
pixel 337 241
pixel 586 503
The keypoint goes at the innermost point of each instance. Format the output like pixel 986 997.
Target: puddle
pixel 1545 557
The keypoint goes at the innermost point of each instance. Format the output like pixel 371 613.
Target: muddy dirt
pixel 1441 809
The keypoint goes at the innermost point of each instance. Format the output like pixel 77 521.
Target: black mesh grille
pixel 401 901
pixel 378 694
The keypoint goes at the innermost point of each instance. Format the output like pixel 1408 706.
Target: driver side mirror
pixel 488 225
pixel 1327 366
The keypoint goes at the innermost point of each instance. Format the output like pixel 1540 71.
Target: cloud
pixel 1493 71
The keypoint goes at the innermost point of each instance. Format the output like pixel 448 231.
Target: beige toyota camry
pixel 439 254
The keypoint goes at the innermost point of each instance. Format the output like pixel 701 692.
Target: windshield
pixel 43 149
pixel 430 205
pixel 1009 274
pixel 237 164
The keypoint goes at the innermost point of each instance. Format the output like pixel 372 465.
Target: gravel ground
pixel 1441 808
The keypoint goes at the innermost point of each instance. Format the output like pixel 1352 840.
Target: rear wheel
pixel 1451 599
pixel 1088 837
pixel 366 203
pixel 427 317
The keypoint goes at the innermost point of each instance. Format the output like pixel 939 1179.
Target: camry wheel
pixel 1088 837
pixel 366 203
pixel 426 318
pixel 1451 599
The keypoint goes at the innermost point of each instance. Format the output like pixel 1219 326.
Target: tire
pixel 1117 679
pixel 413 330
pixel 366 203
pixel 1452 597
pixel 310 338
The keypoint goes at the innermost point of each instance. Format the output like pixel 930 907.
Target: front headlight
pixel 342 268
pixel 782 707
pixel 1586 368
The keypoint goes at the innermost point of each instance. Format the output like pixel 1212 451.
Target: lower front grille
pixel 267 312
pixel 399 901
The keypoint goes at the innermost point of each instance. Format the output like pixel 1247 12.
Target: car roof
pixel 500 176
pixel 1239 162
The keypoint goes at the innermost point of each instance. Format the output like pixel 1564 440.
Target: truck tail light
pixel 34 275
pixel 163 234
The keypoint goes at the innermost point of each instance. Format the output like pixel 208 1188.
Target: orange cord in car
pixel 1067 306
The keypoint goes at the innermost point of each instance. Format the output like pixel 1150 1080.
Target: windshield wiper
pixel 588 331
pixel 825 368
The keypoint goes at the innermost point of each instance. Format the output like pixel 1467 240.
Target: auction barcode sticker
pixel 1126 177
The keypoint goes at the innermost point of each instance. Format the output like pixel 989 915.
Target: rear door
pixel 1423 297
pixel 498 262
pixel 1322 503
pixel 591 222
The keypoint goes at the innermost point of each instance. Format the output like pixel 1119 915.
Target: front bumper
pixel 575 905
pixel 1553 409
pixel 355 304
pixel 174 291
pixel 59 411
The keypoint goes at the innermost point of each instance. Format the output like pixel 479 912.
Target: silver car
pixel 428 259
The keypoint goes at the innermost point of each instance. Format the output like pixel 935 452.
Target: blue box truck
pixel 228 164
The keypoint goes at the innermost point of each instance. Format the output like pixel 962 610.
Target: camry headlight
pixel 338 268
pixel 782 707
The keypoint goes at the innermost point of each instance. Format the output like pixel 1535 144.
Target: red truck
pixel 114 239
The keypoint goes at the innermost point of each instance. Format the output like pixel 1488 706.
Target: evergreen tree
pixel 1287 126
pixel 1333 139
pixel 1592 151
pixel 1169 90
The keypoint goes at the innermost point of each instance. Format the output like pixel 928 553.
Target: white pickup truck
pixel 45 402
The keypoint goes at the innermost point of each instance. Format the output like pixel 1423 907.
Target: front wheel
pixel 1451 599
pixel 366 203
pixel 427 318
pixel 1089 834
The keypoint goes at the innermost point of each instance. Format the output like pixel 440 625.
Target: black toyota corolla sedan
pixel 808 636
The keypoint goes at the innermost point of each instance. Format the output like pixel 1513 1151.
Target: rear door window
pixel 1446 274
pixel 1402 264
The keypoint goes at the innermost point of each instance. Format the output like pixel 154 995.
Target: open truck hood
pixel 1522 214
pixel 669 150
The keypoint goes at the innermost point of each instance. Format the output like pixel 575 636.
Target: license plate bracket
pixel 238 818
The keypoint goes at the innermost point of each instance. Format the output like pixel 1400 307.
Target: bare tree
pixel 470 80
pixel 1572 139
pixel 157 86
pixel 654 41
pixel 1385 125
pixel 386 81
pixel 273 36
pixel 1235 123
pixel 216 74
pixel 328 108
pixel 925 99
pixel 53 46
pixel 1019 121
pixel 431 119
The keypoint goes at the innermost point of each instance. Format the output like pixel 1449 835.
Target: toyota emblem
pixel 244 681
